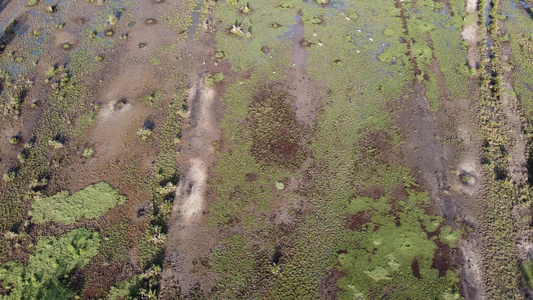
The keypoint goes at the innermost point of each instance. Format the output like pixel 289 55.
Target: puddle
pixel 382 48
pixel 32 12
pixel 191 30
pixel 527 8
pixel 339 4
pixel 488 21
pixel 14 69
pixel 297 31
pixel 36 53
pixel 132 24
pixel 4 23
pixel 486 13
pixel 20 29
pixel 525 5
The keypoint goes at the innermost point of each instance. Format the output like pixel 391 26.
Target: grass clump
pixel 46 275
pixel 88 152
pixel 214 78
pixel 280 185
pixel 144 133
pixel 154 98
pixel 9 176
pixel 52 71
pixel 12 95
pixel 32 2
pixel 14 140
pixel 92 202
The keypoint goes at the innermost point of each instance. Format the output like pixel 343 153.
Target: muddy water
pixel 299 54
pixel 10 12
pixel 302 87
pixel 191 30
pixel 488 21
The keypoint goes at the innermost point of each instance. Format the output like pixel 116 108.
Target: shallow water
pixel 191 30
pixel 488 21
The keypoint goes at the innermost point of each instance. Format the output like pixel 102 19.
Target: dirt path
pixel 470 34
pixel 188 238
pixel 301 86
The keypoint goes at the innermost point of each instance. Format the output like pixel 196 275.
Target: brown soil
pixel 250 177
pixel 358 221
pixel 374 192
pixel 276 133
pixel 377 144
pixel 328 289
pixel 416 269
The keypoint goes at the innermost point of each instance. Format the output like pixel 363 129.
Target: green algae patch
pixel 392 253
pixel 92 202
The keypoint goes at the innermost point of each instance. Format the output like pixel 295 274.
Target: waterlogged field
pixel 295 149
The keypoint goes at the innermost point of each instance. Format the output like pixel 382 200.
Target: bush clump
pixel 46 274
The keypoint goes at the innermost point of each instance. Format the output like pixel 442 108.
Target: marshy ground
pixel 266 149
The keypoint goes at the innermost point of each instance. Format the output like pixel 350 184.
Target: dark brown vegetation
pixel 276 134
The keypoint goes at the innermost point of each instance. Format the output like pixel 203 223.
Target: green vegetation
pixel 144 133
pixel 14 140
pixel 84 122
pixel 527 272
pixel 309 189
pixel 88 152
pixel 154 99
pixel 9 176
pixel 11 95
pixel 46 275
pixel 393 250
pixel 211 79
pixel 348 145
pixel 154 61
pixel 91 202
pixel 280 185
pixel 53 71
